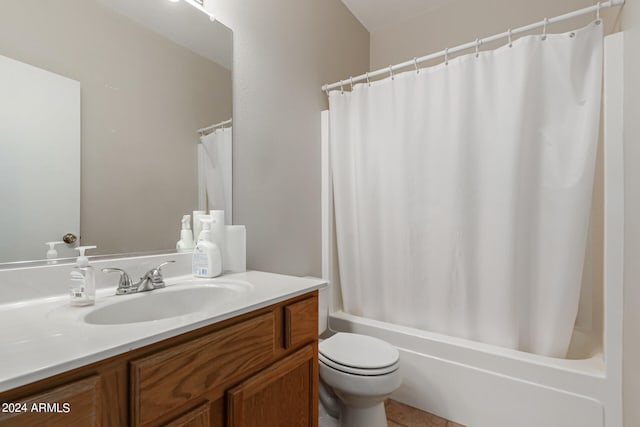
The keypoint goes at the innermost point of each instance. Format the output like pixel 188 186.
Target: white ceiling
pixel 375 14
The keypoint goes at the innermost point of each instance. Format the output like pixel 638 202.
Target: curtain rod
pixel 212 127
pixel 476 44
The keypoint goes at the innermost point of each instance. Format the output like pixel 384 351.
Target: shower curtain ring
pixel 415 64
pixel 368 82
pixel 351 81
pixel 598 13
pixel 446 56
pixel 509 36
pixel 341 88
pixel 544 28
pixel 477 47
pixel 326 89
pixel 391 72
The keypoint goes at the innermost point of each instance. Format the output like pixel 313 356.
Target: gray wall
pixel 284 50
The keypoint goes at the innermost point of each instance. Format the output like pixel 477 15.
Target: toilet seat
pixel 357 371
pixel 358 354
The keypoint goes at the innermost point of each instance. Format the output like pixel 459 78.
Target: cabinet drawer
pixel 301 322
pixel 76 403
pixel 170 378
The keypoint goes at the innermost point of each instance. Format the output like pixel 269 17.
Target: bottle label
pixel 200 265
pixel 77 292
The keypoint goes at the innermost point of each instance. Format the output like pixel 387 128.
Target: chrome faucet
pixel 151 280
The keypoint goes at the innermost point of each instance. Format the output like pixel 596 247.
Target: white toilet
pixel 357 374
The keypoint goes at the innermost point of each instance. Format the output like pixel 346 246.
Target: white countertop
pixel 44 337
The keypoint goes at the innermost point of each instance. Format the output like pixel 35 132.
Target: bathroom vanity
pixel 254 363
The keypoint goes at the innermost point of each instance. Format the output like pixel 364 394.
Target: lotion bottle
pixel 207 259
pixel 83 280
pixel 185 244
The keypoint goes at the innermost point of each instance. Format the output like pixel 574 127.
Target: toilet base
pixel 372 416
pixel 324 417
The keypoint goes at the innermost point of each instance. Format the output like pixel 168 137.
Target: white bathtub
pixel 481 385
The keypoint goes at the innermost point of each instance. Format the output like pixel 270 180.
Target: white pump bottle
pixel 207 259
pixel 52 253
pixel 185 244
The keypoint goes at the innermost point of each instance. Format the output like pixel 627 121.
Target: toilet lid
pixel 357 351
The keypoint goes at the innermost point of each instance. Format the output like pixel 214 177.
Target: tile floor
pixel 398 415
pixel 401 415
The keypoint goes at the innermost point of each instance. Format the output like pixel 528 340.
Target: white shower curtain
pixel 216 175
pixel 462 193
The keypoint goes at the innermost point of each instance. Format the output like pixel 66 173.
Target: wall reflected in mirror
pixel 148 75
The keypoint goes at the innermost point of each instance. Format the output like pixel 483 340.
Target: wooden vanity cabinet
pixel 257 369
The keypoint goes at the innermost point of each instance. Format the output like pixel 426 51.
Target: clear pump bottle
pixel 83 280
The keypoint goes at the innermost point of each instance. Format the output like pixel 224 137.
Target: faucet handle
pixel 155 275
pixel 125 285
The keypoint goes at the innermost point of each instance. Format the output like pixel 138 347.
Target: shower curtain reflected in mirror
pixel 462 193
pixel 215 171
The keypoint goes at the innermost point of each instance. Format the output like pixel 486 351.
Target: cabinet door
pixel 283 395
pixel 73 404
pixel 198 417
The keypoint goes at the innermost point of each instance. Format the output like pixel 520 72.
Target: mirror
pixel 142 77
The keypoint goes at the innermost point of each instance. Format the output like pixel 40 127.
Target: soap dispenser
pixel 52 254
pixel 207 259
pixel 185 244
pixel 83 280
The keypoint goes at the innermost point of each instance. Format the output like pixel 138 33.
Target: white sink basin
pixel 173 301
